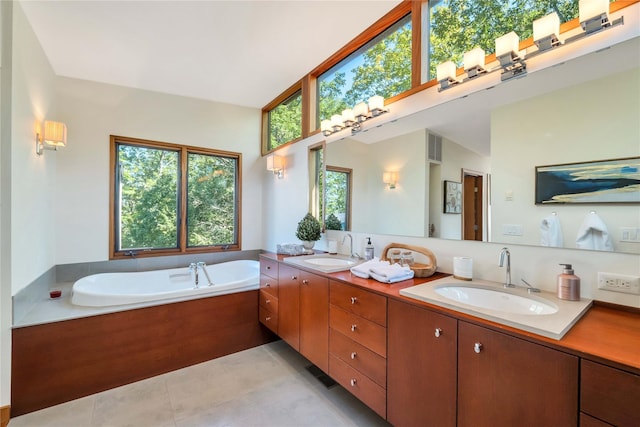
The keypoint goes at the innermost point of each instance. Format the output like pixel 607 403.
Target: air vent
pixel 435 148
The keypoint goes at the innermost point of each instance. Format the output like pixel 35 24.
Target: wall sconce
pixel 275 164
pixel 446 75
pixel 510 57
pixel 546 31
pixel 594 15
pixel 53 137
pixel 474 62
pixel 353 118
pixel 390 179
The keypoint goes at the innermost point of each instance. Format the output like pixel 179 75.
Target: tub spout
pixel 193 269
pixel 202 265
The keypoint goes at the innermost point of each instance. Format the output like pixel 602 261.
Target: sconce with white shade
pixel 446 75
pixel 275 164
pixel 353 118
pixel 474 62
pixel 510 56
pixel 546 31
pixel 53 137
pixel 390 179
pixel 593 15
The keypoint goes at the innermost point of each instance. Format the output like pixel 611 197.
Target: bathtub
pixel 108 289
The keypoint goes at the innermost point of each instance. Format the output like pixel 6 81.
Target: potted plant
pixel 333 223
pixel 308 231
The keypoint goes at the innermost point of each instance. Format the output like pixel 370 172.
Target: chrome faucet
pixel 193 269
pixel 505 253
pixel 353 253
pixel 202 265
pixel 530 288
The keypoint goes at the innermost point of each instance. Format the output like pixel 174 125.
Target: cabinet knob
pixel 353 382
pixel 305 282
pixel 268 301
pixel 268 285
pixel 267 318
pixel 353 355
pixel 477 347
pixel 294 277
pixel 438 332
pixel 353 328
pixel 268 267
pixel 354 300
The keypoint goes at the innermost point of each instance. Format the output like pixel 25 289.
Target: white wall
pixel 93 111
pixel 607 113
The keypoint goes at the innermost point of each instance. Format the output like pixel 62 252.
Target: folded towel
pixel 593 234
pixel 551 232
pixel 363 270
pixel 391 273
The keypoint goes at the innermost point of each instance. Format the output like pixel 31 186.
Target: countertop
pixel 605 333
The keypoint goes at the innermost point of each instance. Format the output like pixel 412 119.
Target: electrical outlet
pixel 619 283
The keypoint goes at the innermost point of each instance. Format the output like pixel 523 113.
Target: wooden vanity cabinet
pixel 503 380
pixel 608 396
pixel 314 319
pixel 268 307
pixel 421 370
pixel 289 305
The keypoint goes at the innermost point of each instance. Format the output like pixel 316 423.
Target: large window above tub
pixel 169 198
pixel 380 67
pixel 457 26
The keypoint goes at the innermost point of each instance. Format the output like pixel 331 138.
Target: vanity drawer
pixel 359 301
pixel 268 301
pixel 269 285
pixel 359 385
pixel 269 267
pixel 268 319
pixel 609 394
pixel 363 331
pixel 358 357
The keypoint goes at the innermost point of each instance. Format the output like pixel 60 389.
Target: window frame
pixel 348 172
pixel 183 151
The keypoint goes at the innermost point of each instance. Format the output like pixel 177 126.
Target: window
pixel 285 121
pixel 457 26
pixel 381 67
pixel 172 199
pixel 338 198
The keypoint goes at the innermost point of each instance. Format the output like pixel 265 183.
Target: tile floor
pixel 263 386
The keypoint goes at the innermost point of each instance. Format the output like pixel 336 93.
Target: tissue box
pixel 290 249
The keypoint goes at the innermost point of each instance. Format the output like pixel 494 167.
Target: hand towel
pixel 391 273
pixel 363 270
pixel 398 278
pixel 593 234
pixel 551 232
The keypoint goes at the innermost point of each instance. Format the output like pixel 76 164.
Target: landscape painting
pixel 603 181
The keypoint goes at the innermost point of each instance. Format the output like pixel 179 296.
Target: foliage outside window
pixel 457 26
pixel 338 210
pixel 317 182
pixel 150 195
pixel 285 121
pixel 381 67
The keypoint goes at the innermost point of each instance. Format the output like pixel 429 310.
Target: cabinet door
pixel 289 305
pixel 314 319
pixel 421 367
pixel 504 380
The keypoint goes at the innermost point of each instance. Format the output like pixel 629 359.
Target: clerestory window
pixel 285 122
pixel 169 198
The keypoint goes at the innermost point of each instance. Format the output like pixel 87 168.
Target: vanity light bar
pixel 353 118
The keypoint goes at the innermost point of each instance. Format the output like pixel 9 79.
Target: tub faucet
pixel 193 268
pixel 353 253
pixel 505 253
pixel 202 265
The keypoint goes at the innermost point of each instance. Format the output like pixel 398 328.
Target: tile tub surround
pixel 264 386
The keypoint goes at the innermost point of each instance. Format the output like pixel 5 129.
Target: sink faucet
pixel 193 269
pixel 505 253
pixel 353 253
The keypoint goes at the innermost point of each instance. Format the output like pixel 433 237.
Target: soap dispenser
pixel 568 284
pixel 369 250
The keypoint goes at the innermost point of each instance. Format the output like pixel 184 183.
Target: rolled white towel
pixel 363 270
pixel 391 273
pixel 397 278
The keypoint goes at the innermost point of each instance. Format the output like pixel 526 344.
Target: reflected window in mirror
pixel 338 195
pixel 381 67
pixel 285 122
pixel 457 26
pixel 317 176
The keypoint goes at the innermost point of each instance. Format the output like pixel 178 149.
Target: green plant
pixel 308 229
pixel 333 223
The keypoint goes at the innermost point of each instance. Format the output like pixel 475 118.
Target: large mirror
pixel 489 143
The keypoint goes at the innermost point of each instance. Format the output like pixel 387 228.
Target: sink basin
pixel 323 262
pixel 494 299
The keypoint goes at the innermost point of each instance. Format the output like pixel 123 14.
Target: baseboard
pixel 5 413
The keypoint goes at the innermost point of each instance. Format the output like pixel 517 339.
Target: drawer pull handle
pixel 438 332
pixel 353 355
pixel 353 382
pixel 353 300
pixel 477 347
pixel 268 301
pixel 353 328
pixel 267 318
pixel 305 282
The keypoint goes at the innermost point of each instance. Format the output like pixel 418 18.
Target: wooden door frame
pixel 483 211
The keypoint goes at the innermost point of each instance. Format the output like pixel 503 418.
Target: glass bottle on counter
pixel 406 259
pixel 394 257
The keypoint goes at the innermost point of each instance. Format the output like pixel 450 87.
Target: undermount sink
pixel 495 299
pixel 325 263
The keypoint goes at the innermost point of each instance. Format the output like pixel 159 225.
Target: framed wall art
pixel 601 181
pixel 452 197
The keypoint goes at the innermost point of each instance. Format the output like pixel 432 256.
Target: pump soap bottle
pixel 368 250
pixel 568 284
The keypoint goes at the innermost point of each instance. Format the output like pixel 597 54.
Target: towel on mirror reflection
pixel 363 270
pixel 593 234
pixel 551 232
pixel 391 273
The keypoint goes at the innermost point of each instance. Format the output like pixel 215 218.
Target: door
pixel 472 195
pixel 314 319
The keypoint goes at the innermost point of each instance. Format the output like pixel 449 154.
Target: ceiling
pixel 242 52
